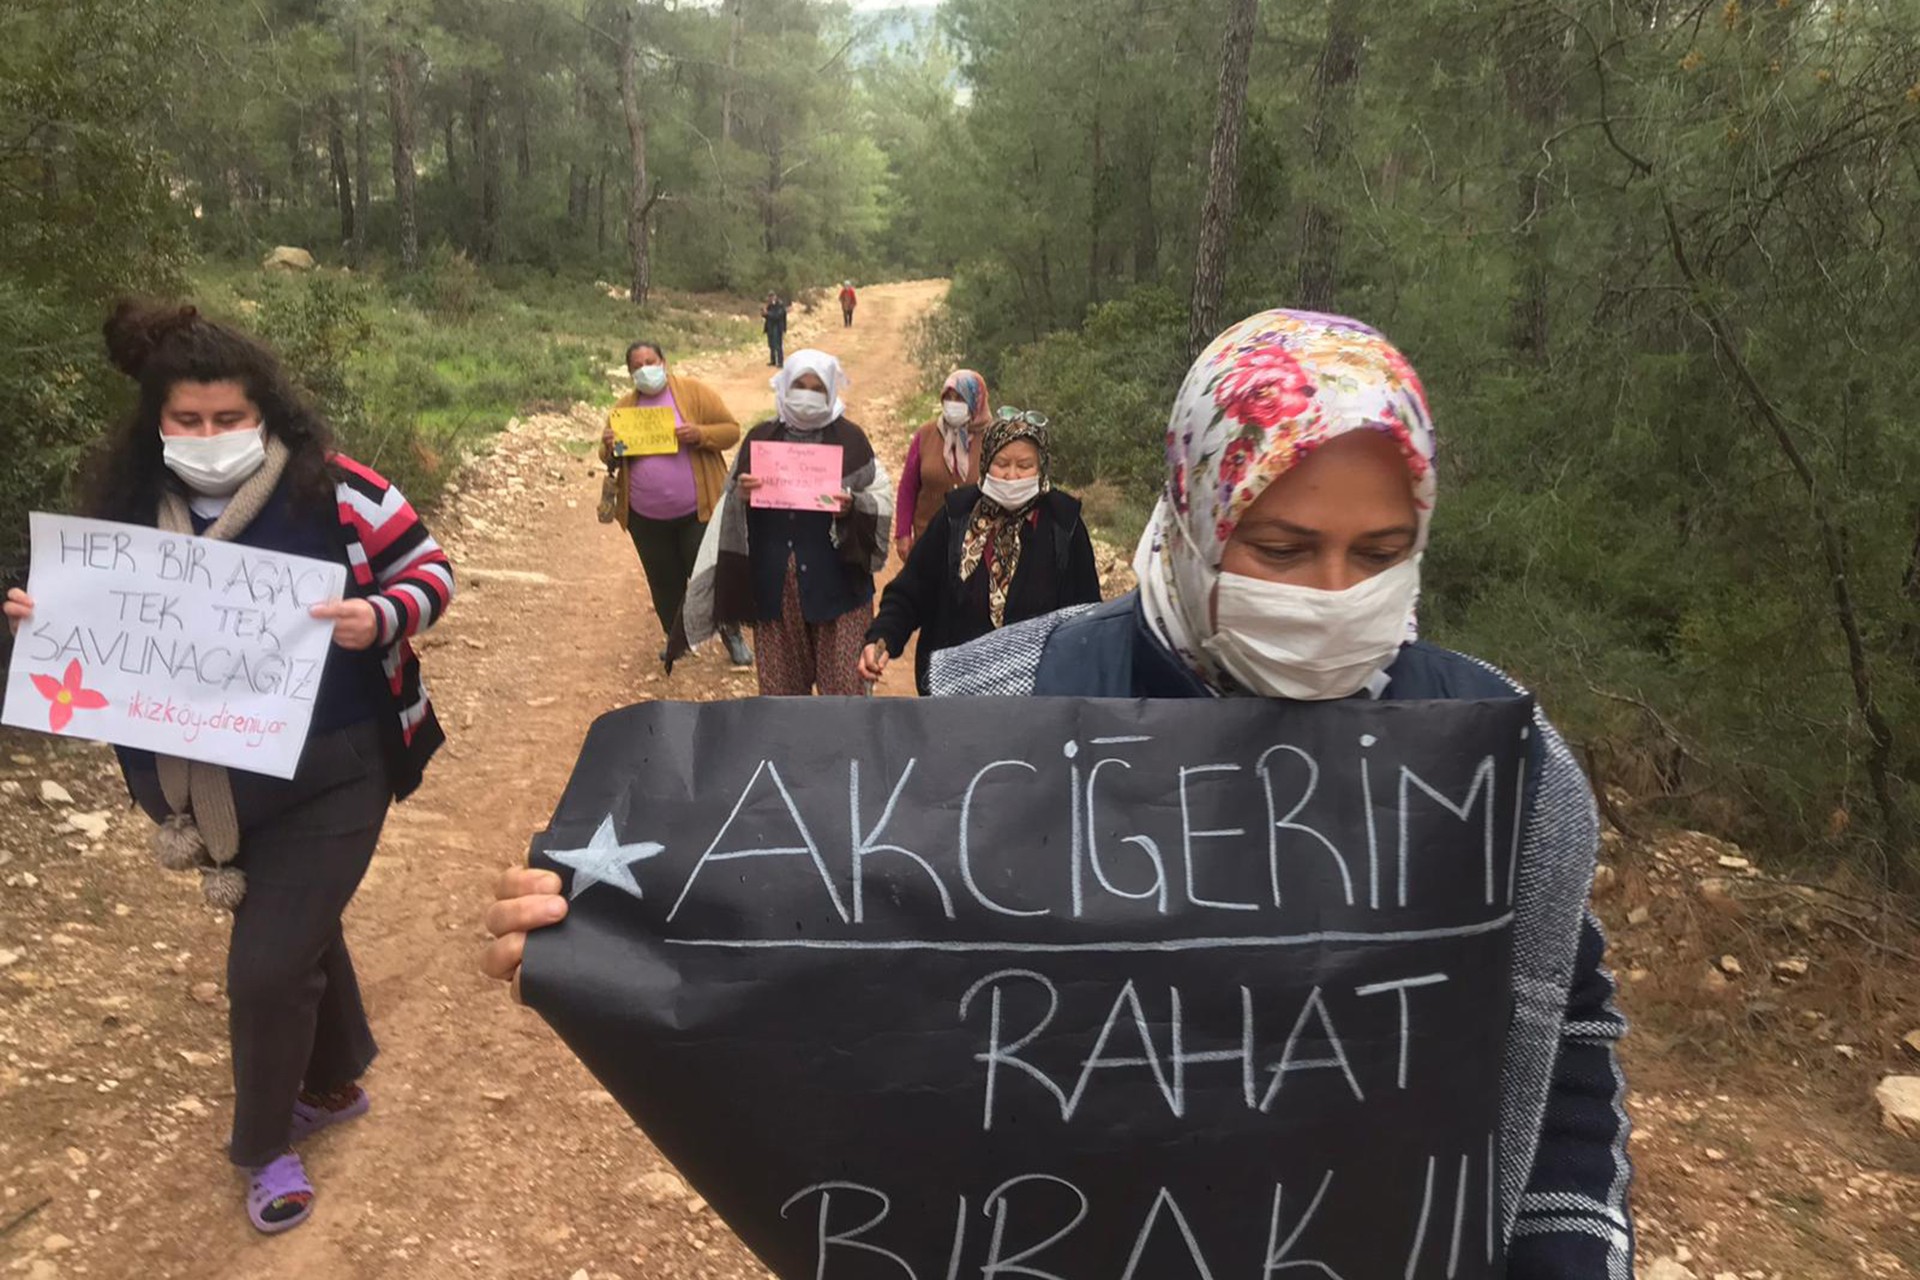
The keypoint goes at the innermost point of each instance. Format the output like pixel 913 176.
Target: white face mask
pixel 955 413
pixel 808 408
pixel 650 379
pixel 1284 641
pixel 1010 494
pixel 215 465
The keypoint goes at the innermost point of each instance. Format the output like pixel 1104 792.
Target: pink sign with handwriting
pixel 798 477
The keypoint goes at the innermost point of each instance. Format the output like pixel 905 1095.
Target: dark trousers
pixel 293 1004
pixel 846 314
pixel 777 347
pixel 667 550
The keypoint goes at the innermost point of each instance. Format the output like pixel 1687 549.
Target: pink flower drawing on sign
pixel 67 696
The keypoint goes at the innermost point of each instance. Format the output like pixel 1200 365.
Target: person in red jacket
pixel 848 300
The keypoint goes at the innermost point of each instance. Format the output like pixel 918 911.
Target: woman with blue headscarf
pixel 943 455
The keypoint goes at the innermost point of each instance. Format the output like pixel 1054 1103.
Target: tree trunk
pixel 1903 867
pixel 1320 227
pixel 362 151
pixel 600 221
pixel 579 179
pixel 1146 225
pixel 1531 57
pixel 1096 207
pixel 771 209
pixel 49 182
pixel 299 184
pixel 448 144
pixel 523 159
pixel 1142 123
pixel 337 161
pixel 737 30
pixel 486 158
pixel 1223 177
pixel 1333 85
pixel 400 109
pixel 639 196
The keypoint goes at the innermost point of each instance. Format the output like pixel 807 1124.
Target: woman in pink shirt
pixel 666 500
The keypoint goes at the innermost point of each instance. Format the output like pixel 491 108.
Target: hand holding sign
pixel 1172 989
pixel 355 625
pixel 525 899
pixel 186 646
pixel 644 432
pixel 19 608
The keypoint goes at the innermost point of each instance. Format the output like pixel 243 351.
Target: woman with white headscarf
pixel 802 579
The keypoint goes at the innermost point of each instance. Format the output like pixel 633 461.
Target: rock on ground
pixel 1899 1099
pixel 288 258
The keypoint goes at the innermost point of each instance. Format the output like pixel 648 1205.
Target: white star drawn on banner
pixel 605 861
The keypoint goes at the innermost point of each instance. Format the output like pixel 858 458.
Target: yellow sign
pixel 643 433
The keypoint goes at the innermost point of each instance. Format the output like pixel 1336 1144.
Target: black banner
pixel 924 989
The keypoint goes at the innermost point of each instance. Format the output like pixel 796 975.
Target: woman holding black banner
pixel 1010 548
pixel 1283 562
pixel 221 445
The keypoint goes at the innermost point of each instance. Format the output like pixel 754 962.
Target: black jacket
pixel 1056 570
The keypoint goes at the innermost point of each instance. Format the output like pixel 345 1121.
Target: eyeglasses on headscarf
pixel 1032 417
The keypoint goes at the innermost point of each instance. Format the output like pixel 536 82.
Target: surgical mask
pixel 807 408
pixel 215 465
pixel 1285 641
pixel 955 413
pixel 1010 494
pixel 650 379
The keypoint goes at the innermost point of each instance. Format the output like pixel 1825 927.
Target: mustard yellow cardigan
pixel 700 406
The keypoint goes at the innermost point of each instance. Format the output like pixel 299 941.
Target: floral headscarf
pixel 958 444
pixel 992 527
pixel 1260 398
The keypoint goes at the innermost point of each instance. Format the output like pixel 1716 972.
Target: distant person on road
pixel 943 455
pixel 774 320
pixel 220 444
pixel 666 500
pixel 802 579
pixel 848 300
pixel 1009 548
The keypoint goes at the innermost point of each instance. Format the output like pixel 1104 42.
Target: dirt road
pixel 491 1153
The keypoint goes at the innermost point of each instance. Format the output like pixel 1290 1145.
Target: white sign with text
pixel 179 645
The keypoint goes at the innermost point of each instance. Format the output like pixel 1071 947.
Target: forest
pixel 1655 260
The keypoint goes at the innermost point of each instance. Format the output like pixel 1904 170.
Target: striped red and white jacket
pixel 399 569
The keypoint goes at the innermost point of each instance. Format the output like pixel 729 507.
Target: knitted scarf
pixel 203 834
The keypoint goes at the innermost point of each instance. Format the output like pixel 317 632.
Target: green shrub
pixel 448 285
pixel 1105 387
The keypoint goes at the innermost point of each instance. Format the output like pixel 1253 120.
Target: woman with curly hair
pixel 222 446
